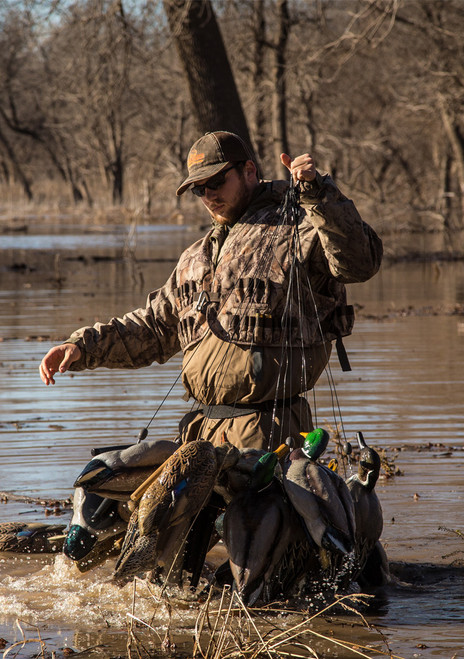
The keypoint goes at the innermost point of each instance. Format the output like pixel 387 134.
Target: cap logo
pixel 195 158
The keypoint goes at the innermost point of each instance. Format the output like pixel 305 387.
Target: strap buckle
pixel 203 301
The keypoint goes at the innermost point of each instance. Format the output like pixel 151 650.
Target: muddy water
pixel 404 392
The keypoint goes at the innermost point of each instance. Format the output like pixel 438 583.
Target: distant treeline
pixel 99 106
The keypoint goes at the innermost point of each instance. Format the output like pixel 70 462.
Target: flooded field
pixel 405 393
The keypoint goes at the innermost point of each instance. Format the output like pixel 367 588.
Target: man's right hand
pixel 58 359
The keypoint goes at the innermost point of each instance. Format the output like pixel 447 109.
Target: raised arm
pixel 352 248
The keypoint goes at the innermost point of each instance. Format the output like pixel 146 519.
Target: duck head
pixel 227 455
pixel 264 469
pixel 315 443
pixel 369 464
pixel 85 531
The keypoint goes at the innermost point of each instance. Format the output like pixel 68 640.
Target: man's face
pixel 230 200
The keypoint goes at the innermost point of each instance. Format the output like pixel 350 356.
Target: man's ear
pixel 250 171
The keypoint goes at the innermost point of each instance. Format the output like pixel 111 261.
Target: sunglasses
pixel 214 183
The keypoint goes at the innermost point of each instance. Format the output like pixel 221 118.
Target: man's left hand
pixel 302 168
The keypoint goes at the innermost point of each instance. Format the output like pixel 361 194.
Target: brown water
pixel 405 391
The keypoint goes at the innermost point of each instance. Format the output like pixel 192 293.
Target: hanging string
pixel 262 270
pixel 288 214
pixel 290 209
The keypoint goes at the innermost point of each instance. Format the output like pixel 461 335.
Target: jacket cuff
pixel 79 364
pixel 313 189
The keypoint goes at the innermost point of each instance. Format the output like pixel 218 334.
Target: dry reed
pixel 15 648
pixel 227 629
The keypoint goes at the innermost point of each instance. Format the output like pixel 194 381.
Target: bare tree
pixel 16 165
pixel 215 99
pixel 279 97
pixel 26 107
pixel 93 94
pixel 96 78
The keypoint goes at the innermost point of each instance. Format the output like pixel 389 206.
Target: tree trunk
pixel 117 171
pixel 259 112
pixel 215 99
pixel 20 175
pixel 457 147
pixel 279 107
pixel 308 102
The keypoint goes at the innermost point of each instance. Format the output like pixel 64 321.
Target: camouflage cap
pixel 212 153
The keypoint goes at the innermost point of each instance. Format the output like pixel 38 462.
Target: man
pixel 254 306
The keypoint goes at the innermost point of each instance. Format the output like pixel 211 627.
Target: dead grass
pixel 52 203
pixel 344 460
pixel 15 648
pixel 458 552
pixel 226 629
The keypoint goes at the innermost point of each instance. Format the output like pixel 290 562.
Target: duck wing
pixel 322 499
pixel 182 488
pixel 138 553
pixel 122 485
pixel 335 504
pixel 112 467
pixel 344 519
pixel 304 499
pixel 257 531
pixel 161 522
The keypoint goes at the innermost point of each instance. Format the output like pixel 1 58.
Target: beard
pixel 227 212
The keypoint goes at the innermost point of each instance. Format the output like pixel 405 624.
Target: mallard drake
pixel 31 538
pixel 315 443
pixel 117 473
pixel 368 515
pixel 258 527
pixel 237 479
pixel 257 530
pixel 88 527
pixel 322 499
pixel 158 527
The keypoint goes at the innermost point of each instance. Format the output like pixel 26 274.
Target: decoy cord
pixel 288 213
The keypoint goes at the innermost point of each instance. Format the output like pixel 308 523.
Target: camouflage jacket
pixel 258 283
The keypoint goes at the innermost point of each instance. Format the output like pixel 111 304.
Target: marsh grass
pixel 345 461
pixel 24 628
pixel 227 629
pixel 458 552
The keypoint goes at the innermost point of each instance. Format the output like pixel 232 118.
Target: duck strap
pixel 339 322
